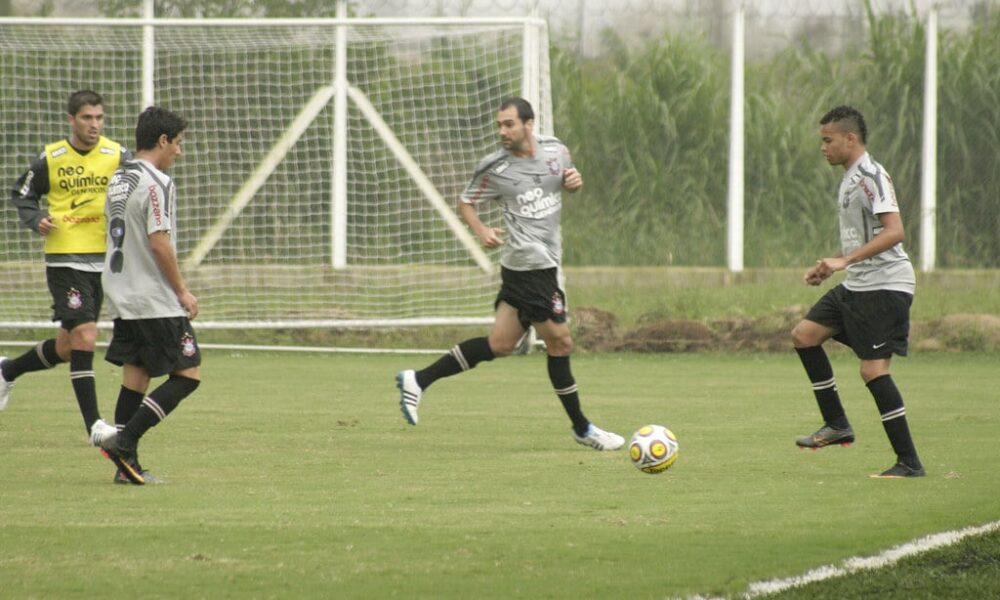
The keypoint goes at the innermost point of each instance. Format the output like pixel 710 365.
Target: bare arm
pixel 488 236
pixel 892 233
pixel 166 260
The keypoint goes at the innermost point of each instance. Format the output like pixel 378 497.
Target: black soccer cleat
pixel 900 470
pixel 124 458
pixel 825 436
pixel 147 478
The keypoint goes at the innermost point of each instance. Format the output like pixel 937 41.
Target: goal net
pixel 321 165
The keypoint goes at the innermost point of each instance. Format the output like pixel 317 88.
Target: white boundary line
pixel 861 563
pixel 252 347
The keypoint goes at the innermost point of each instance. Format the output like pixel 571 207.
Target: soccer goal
pixel 322 162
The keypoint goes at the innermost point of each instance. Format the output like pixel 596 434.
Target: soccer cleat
pixel 598 439
pixel 147 478
pixel 526 344
pixel 5 387
pixel 825 436
pixel 100 430
pixel 124 458
pixel 899 470
pixel 409 395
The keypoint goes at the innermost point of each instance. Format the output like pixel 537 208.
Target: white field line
pixel 253 347
pixel 860 563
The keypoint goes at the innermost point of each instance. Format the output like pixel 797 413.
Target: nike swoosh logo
pixel 877 346
pixel 73 205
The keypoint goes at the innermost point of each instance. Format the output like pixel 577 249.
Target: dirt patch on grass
pixel 597 331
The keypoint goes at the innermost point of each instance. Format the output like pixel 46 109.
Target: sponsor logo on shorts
pixel 74 299
pixel 188 347
pixel 557 304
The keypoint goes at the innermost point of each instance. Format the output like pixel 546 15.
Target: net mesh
pixel 435 86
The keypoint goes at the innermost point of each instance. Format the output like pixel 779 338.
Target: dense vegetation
pixel 650 130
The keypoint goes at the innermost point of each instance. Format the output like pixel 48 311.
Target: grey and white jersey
pixel 530 192
pixel 866 191
pixel 141 200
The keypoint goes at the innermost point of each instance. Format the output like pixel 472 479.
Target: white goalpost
pixel 321 164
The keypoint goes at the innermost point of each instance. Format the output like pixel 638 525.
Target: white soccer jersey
pixel 866 191
pixel 141 200
pixel 530 191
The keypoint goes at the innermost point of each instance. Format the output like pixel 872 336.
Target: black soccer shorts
pixel 874 324
pixel 160 346
pixel 76 295
pixel 535 294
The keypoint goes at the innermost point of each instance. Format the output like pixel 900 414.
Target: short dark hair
pixel 154 122
pixel 854 120
pixel 524 110
pixel 78 100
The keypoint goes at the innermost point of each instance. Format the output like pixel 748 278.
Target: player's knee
pixel 502 347
pixel 559 346
pixel 870 371
pixel 83 337
pixel 801 337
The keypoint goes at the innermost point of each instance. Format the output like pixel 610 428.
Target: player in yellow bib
pixel 72 175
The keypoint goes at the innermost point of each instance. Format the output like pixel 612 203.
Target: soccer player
pixel 527 178
pixel 73 174
pixel 147 296
pixel 870 310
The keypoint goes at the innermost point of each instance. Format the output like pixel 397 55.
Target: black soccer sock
pixel 42 356
pixel 462 357
pixel 820 373
pixel 565 386
pixel 158 404
pixel 129 402
pixel 81 374
pixel 890 405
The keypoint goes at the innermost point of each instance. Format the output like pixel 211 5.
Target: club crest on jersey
pixel 74 299
pixel 188 347
pixel 557 304
pixel 554 167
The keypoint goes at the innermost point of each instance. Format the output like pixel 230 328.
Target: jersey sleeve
pixel 480 189
pixel 27 192
pixel 156 206
pixel 566 157
pixel 878 190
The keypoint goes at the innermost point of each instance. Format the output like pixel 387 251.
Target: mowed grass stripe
pixel 294 474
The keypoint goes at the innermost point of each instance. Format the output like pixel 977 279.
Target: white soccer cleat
pixel 598 439
pixel 526 344
pixel 5 387
pixel 409 395
pixel 101 431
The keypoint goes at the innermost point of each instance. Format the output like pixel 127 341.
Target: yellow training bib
pixel 78 185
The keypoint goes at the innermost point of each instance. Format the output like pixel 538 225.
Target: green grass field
pixel 293 475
